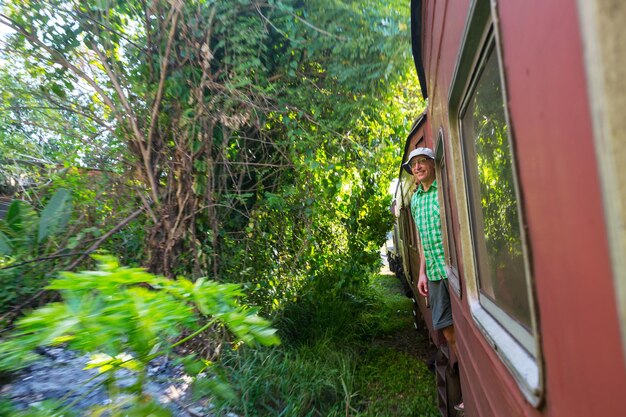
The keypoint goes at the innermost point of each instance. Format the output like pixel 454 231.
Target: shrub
pixel 125 317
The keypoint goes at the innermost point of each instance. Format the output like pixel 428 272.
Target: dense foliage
pixel 256 138
pixel 243 141
pixel 25 235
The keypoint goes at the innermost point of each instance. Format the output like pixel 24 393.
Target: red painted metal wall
pixel 583 365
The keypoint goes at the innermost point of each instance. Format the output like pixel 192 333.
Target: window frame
pixel 521 354
pixel 449 240
pixel 518 331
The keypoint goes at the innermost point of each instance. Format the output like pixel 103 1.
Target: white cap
pixel 417 152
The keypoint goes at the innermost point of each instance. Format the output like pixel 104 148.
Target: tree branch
pixel 58 58
pixel 105 237
pixel 157 101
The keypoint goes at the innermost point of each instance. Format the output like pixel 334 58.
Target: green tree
pixel 260 136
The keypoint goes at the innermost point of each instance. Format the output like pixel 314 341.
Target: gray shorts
pixel 439 299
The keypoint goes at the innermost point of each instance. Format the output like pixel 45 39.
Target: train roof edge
pixel 416 44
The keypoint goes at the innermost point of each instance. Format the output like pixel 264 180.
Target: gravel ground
pixel 59 374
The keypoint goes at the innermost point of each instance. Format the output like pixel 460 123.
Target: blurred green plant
pixel 126 317
pixel 23 230
pixel 27 236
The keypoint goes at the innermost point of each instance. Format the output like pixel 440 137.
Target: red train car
pixel 524 114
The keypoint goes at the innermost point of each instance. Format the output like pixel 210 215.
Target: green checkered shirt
pixel 425 210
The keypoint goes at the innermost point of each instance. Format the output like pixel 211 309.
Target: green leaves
pixel 23 229
pixel 128 316
pixel 262 138
pixel 58 90
pixel 118 310
pixel 261 146
pixel 20 219
pixel 5 244
pixel 55 214
pixel 105 363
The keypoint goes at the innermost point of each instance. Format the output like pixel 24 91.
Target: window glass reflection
pixel 493 200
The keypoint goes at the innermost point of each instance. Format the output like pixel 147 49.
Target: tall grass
pixel 335 360
pixel 309 381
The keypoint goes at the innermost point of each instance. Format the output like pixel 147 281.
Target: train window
pixel 497 278
pixel 495 215
pixel 449 243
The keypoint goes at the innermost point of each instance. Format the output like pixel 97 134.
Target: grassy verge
pixel 355 356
